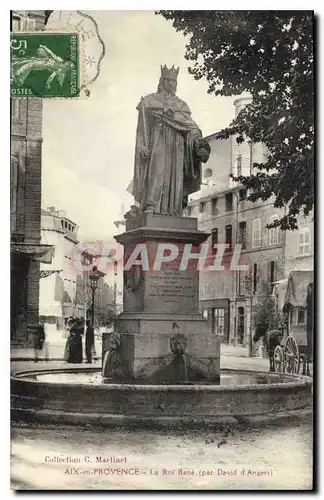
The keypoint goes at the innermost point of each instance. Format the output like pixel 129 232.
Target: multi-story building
pixel 65 289
pixel 25 185
pixel 222 209
pixel 57 300
pixel 299 265
pixel 299 253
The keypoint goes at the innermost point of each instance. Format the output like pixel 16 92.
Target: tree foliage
pixel 265 312
pixel 268 54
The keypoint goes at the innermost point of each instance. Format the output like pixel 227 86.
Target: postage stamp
pixel 45 64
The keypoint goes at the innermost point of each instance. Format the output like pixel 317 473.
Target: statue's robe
pixel 163 181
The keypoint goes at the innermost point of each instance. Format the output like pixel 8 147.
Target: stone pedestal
pixel 161 304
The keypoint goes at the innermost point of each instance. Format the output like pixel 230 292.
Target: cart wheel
pixel 292 359
pixel 278 357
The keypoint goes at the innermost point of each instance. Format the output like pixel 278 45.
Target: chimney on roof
pixel 241 102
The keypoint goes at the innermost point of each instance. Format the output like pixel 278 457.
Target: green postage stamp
pixel 45 64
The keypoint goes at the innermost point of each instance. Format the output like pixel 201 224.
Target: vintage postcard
pixel 162 250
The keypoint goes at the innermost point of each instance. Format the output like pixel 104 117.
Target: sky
pixel 88 144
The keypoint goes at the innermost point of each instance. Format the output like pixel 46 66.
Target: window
pixel 15 109
pixel 304 246
pixel 214 206
pixel 256 233
pixel 240 325
pixel 241 283
pixel 239 165
pixel 229 202
pixel 298 316
pixel 272 272
pixel 202 208
pixel 228 236
pixel 255 278
pixel 214 235
pixel 242 194
pixel 242 234
pixel 29 24
pixel 301 316
pixel 273 232
pixel 219 316
pixel 208 173
pixel 16 23
pixel 23 23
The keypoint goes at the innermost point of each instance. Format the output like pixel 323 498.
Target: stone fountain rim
pixel 300 381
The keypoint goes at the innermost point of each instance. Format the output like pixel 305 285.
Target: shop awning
pixel 292 291
pixel 39 253
pixel 48 272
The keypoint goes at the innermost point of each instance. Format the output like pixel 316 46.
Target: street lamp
pixel 94 276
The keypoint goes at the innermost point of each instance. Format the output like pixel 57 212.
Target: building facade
pixel 57 300
pixel 65 288
pixel 25 188
pixel 299 256
pixel 221 206
pixel 227 297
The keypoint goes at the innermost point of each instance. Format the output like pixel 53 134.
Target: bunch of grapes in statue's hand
pixel 202 150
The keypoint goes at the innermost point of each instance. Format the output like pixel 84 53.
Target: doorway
pixel 241 325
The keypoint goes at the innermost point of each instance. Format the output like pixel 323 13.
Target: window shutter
pixel 275 271
pixel 269 272
pixel 258 274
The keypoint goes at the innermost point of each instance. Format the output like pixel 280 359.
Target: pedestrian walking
pixel 89 341
pixel 39 342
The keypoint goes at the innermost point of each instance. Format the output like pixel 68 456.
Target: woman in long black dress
pixel 68 327
pixel 74 342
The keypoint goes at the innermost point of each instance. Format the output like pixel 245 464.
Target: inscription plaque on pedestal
pixel 171 290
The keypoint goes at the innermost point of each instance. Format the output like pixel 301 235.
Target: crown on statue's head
pixel 169 73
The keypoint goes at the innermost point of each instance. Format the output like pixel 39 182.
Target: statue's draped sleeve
pixel 142 140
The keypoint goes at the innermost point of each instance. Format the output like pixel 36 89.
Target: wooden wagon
pixel 295 299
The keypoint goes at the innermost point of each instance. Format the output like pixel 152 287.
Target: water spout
pixel 105 364
pixel 185 368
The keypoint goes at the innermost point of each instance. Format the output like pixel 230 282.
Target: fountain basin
pixel 41 395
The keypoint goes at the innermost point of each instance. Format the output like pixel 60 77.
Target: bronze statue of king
pixel 169 150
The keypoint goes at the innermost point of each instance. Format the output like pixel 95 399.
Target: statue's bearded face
pixel 170 84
